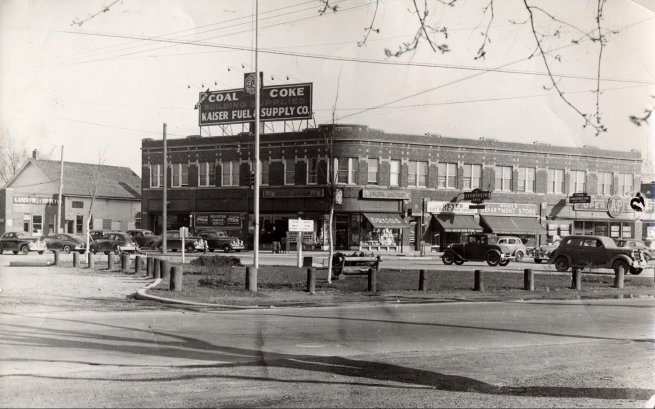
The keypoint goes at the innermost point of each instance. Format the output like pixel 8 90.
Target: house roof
pixel 113 181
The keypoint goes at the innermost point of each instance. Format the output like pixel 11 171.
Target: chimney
pixel 35 153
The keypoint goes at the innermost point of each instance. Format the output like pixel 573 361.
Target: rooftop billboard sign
pixel 277 103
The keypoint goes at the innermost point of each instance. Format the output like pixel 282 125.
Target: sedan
pixel 66 243
pixel 116 242
pixel 636 244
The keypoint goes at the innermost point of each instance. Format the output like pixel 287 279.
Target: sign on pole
pixel 300 225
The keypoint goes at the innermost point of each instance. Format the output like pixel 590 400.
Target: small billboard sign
pixel 477 195
pixel 298 225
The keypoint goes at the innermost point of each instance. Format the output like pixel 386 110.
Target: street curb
pixel 142 295
pixel 30 264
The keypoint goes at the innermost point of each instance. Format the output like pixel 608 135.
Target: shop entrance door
pixel 341 234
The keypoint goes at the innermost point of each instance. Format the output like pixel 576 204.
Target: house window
pixel 604 183
pixel 577 181
pixel 206 174
pixel 77 204
pixel 373 171
pixel 526 179
pixel 289 171
pixel 625 185
pixel 230 173
pixel 555 181
pixel 503 178
pixel 155 176
pixel 312 171
pixel 472 176
pixel 347 170
pixel 394 172
pixel 265 166
pixel 180 174
pixel 418 174
pixel 79 224
pixel 447 175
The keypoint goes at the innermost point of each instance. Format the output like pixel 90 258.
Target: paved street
pixel 78 334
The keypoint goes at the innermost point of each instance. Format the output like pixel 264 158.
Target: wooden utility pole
pixel 61 188
pixel 164 199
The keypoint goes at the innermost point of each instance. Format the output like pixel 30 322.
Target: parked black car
pixel 219 240
pixel 66 243
pixel 478 247
pixel 116 242
pixel 142 236
pixel 21 242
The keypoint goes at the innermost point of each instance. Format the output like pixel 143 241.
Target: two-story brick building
pixel 390 188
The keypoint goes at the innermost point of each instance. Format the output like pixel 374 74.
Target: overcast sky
pixel 99 86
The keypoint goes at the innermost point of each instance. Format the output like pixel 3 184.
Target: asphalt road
pixel 75 339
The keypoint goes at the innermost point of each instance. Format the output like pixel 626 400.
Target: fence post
pixel 150 272
pixel 479 284
pixel 91 260
pixel 372 280
pixel 165 269
pixel 110 261
pixel 137 264
pixel 421 280
pixel 618 277
pixel 157 266
pixel 252 279
pixel 311 281
pixel 576 279
pixel 176 279
pixel 125 263
pixel 76 259
pixel 528 279
pixel 56 254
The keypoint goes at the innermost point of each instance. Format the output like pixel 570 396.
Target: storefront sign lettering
pixel 385 194
pixel 286 193
pixel 386 220
pixel 502 209
pixel 34 200
pixel 218 220
pixel 617 204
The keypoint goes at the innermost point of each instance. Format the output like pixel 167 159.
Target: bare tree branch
pixel 482 51
pixel 422 32
pixel 78 22
pixel 370 27
pixel 327 6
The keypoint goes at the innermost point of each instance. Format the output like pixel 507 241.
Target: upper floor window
pixel 230 173
pixel 527 179
pixel 503 178
pixel 555 181
pixel 447 176
pixel 77 204
pixel 394 172
pixel 577 180
pixel 180 174
pixel 373 171
pixel 418 174
pixel 289 171
pixel 155 176
pixel 206 174
pixel 348 169
pixel 312 171
pixel 265 168
pixel 604 183
pixel 472 176
pixel 626 184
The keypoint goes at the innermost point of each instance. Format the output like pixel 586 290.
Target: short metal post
pixel 157 268
pixel 252 279
pixel 372 280
pixel 165 269
pixel 311 281
pixel 56 254
pixel 125 263
pixel 422 280
pixel 110 261
pixel 176 279
pixel 618 277
pixel 479 284
pixel 150 272
pixel 576 279
pixel 137 264
pixel 91 260
pixel 76 259
pixel 528 279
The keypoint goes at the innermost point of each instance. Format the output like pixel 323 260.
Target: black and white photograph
pixel 327 203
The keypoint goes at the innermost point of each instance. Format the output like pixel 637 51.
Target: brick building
pixel 392 188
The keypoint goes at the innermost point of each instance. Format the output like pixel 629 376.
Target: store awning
pixel 512 225
pixel 386 220
pixel 457 223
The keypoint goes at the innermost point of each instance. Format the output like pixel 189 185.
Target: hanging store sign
pixel 499 209
pixel 277 103
pixel 217 220
pixel 34 200
pixel 386 194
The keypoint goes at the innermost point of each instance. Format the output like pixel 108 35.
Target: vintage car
pixel 597 252
pixel 174 242
pixel 65 242
pixel 515 246
pixel 21 242
pixel 543 252
pixel 219 240
pixel 636 244
pixel 478 247
pixel 116 242
pixel 142 237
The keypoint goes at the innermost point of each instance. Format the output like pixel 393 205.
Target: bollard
pixel 137 264
pixel 311 281
pixel 150 271
pixel 479 284
pixel 56 254
pixel 528 279
pixel 422 280
pixel 252 279
pixel 176 279
pixel 125 263
pixel 76 259
pixel 576 279
pixel 91 261
pixel 157 265
pixel 247 278
pixel 165 269
pixel 372 280
pixel 618 277
pixel 110 261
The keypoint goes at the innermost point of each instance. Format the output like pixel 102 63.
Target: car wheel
pixel 15 251
pixel 24 249
pixel 227 248
pixel 459 262
pixel 503 263
pixel 561 264
pixel 41 252
pixel 621 264
pixel 447 259
pixel 538 260
pixel 67 249
pixel 636 271
pixel 493 259
pixel 518 256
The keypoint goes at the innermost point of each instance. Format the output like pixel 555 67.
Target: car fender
pixel 554 255
pixel 618 257
pixel 455 254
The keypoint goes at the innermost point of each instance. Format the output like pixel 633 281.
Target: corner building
pixel 391 190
